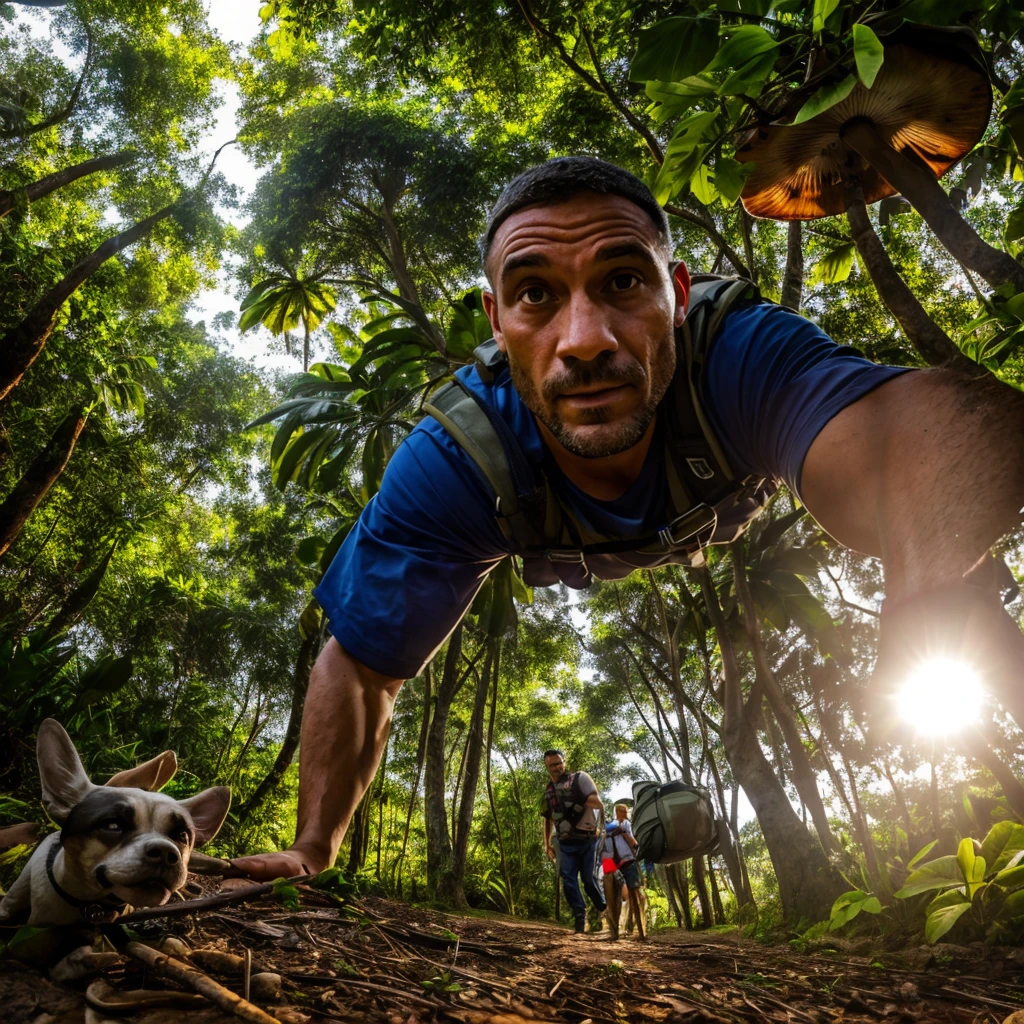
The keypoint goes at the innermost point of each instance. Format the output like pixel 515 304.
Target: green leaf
pixel 940 12
pixel 972 865
pixel 1003 843
pixel 671 99
pixel 942 920
pixel 849 905
pixel 1015 224
pixel 750 78
pixel 822 11
pixel 744 45
pixel 835 266
pixel 827 96
pixel 730 176
pixel 921 854
pixel 702 184
pixel 674 49
pixel 868 53
pixel 940 873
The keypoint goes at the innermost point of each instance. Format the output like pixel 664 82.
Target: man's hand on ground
pixel 265 867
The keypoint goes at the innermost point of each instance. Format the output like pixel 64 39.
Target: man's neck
pixel 605 478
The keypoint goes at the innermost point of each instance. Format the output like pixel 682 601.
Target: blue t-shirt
pixel 412 564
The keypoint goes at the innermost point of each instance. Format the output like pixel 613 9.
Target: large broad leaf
pixel 849 905
pixel 868 52
pixel 468 326
pixel 1004 841
pixel 921 854
pixel 835 266
pixel 941 873
pixel 822 11
pixel 940 12
pixel 827 96
pixel 972 865
pixel 943 919
pixel 674 49
pixel 749 79
pixel 730 177
pixel 746 43
pixel 670 99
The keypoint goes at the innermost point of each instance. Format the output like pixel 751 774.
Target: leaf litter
pixel 325 957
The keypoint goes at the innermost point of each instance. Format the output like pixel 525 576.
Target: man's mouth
pixel 600 395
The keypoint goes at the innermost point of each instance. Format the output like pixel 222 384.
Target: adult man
pixel 570 800
pixel 923 468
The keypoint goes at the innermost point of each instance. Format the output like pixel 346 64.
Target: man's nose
pixel 585 331
pixel 163 852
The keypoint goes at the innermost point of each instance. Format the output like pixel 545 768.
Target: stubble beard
pixel 623 435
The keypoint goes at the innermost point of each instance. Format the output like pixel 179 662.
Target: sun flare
pixel 941 696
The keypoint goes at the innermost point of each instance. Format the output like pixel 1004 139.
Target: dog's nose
pixel 164 853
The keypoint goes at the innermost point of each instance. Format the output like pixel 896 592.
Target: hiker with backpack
pixel 619 857
pixel 626 416
pixel 570 834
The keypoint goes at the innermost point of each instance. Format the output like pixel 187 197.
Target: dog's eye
pixel 111 826
pixel 182 836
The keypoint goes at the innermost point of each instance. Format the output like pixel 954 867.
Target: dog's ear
pixel 208 811
pixel 150 775
pixel 65 783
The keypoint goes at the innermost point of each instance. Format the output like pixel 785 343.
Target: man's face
pixel 555 766
pixel 584 307
pixel 620 813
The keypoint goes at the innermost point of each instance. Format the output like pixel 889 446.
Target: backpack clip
pixel 697 525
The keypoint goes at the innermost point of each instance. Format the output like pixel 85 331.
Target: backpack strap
pixel 487 439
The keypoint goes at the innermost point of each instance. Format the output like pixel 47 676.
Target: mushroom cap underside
pixel 937 109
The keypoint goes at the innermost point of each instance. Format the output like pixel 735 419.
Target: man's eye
pixel 623 282
pixel 534 296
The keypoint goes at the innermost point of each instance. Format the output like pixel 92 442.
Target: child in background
pixel 619 855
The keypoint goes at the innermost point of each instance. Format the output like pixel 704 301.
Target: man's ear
pixel 491 309
pixel 208 811
pixel 151 775
pixel 681 287
pixel 63 778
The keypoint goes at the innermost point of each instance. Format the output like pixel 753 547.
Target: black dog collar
pixel 93 911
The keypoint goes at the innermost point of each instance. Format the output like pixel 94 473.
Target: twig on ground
pixel 189 976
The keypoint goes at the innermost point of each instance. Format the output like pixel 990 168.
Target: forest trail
pixel 380 960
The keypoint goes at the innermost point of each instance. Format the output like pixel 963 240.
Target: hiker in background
pixel 620 855
pixel 570 834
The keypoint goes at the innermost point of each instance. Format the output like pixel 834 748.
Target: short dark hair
pixel 553 753
pixel 560 179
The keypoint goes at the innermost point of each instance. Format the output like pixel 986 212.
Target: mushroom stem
pixel 916 183
pixel 932 343
pixel 793 279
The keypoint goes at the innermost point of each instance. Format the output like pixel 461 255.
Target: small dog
pixel 120 846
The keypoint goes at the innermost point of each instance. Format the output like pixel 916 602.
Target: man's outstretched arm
pixel 344 729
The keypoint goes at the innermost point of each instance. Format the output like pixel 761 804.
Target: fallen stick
pixel 206 902
pixel 186 974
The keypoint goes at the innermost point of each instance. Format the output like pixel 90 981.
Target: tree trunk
pixel 803 774
pixel 357 836
pixel 470 781
pixel 807 884
pixel 21 345
pixel 39 477
pixel 439 843
pixel 977 744
pixel 916 183
pixel 421 748
pixel 932 343
pixel 505 873
pixel 700 883
pixel 290 743
pixel 51 182
pixel 793 279
pixel 716 896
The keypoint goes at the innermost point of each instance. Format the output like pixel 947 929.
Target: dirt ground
pixel 377 960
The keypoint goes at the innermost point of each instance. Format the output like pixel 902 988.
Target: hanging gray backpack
pixel 673 821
